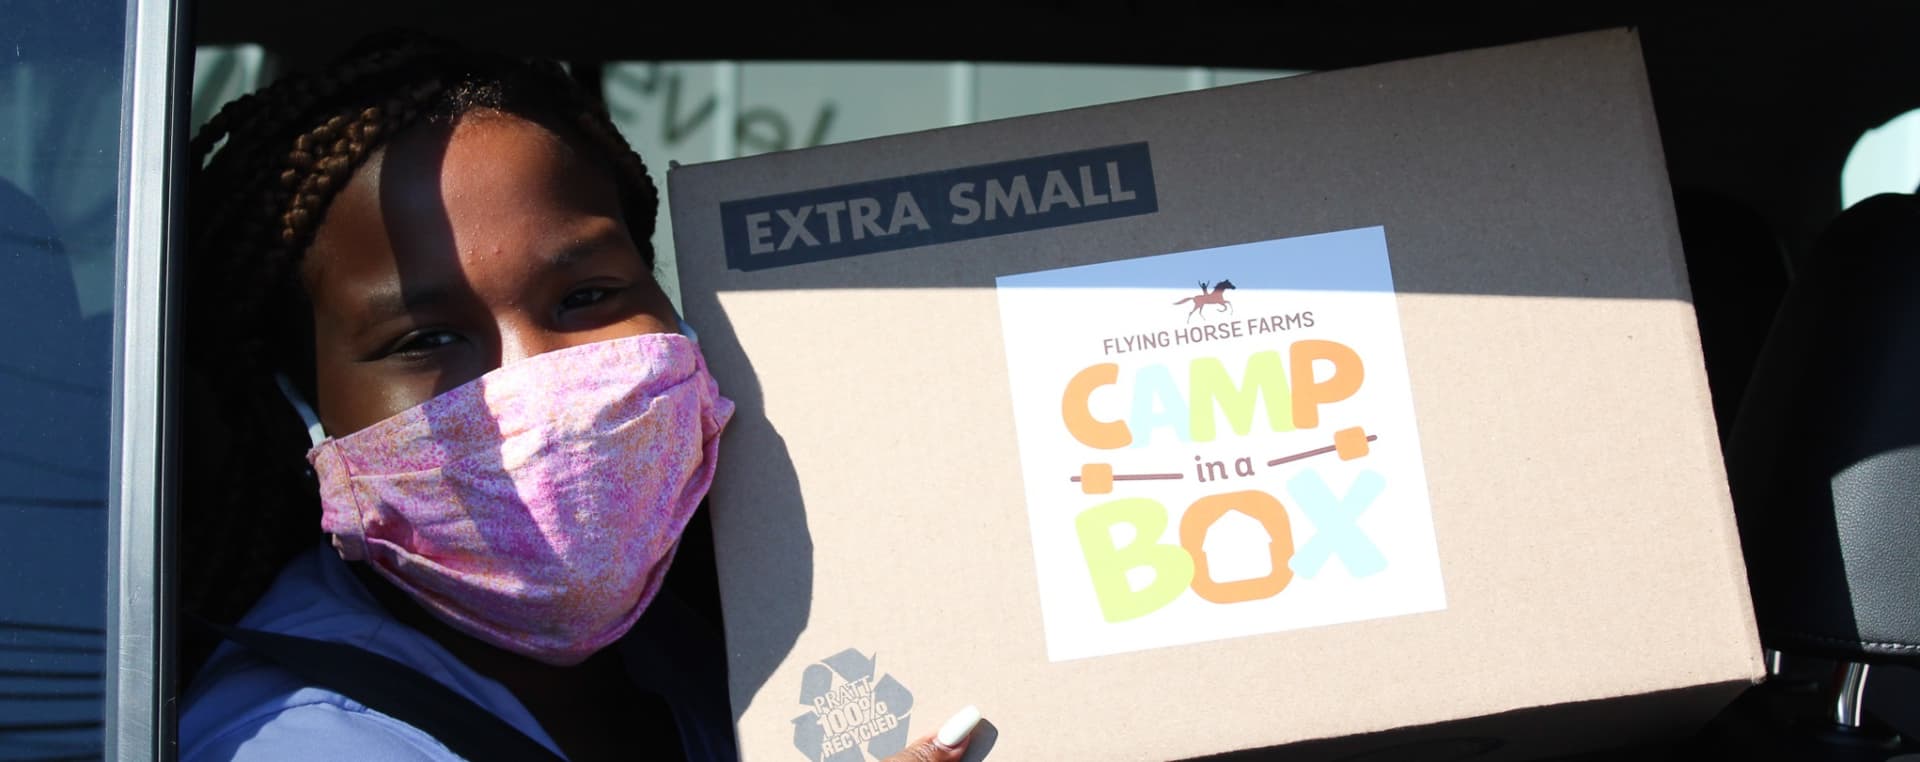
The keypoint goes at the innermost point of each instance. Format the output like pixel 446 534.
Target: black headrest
pixel 1824 460
pixel 1738 270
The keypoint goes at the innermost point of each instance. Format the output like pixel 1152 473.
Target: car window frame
pixel 138 722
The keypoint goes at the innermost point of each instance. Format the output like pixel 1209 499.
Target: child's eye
pixel 419 344
pixel 585 297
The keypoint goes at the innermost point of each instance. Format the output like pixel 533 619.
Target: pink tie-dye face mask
pixel 537 507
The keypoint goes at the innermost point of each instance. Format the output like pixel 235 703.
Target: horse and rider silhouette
pixel 1218 295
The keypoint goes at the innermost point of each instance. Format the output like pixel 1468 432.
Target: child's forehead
pixel 482 153
pixel 500 130
pixel 482 179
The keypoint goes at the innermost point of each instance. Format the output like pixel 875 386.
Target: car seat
pixel 1824 459
pixel 1738 271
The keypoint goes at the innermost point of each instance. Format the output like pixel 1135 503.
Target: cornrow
pixel 265 169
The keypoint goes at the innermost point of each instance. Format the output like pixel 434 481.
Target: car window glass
pixel 60 119
pixel 222 73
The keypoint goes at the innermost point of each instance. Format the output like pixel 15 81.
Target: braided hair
pixel 248 501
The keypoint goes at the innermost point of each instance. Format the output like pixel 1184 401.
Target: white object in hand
pixel 957 727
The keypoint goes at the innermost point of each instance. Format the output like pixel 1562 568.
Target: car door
pixel 87 135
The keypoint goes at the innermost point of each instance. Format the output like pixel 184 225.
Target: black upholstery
pixel 1738 271
pixel 1824 461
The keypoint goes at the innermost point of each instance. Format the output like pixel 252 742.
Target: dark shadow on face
pixel 426 258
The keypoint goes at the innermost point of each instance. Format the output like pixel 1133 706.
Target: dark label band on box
pixel 938 207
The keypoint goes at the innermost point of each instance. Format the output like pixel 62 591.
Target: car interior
pixel 1792 141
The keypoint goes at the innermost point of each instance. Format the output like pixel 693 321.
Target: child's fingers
pixel 945 746
pixel 927 750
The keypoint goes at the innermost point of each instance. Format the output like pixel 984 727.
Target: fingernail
pixel 957 727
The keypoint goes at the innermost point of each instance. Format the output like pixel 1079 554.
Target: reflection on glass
pixel 60 102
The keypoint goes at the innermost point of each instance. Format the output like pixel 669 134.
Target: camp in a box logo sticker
pixel 1219 443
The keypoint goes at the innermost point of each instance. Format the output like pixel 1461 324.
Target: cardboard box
pixel 1353 412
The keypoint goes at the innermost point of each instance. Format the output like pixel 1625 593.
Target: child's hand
pixel 945 746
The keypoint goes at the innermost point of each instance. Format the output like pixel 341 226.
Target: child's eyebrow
pixel 392 300
pixel 389 300
pixel 584 248
pixel 572 254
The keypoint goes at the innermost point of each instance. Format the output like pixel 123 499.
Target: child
pixel 437 263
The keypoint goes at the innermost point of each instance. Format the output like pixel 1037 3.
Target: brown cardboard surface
pixel 1619 729
pixel 871 496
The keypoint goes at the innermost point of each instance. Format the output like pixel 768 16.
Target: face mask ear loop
pixel 687 330
pixel 314 431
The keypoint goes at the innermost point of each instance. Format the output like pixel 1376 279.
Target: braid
pixel 264 171
pixel 597 125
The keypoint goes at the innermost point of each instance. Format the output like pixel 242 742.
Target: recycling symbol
pixel 848 708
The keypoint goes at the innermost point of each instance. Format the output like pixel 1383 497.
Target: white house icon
pixel 1237 548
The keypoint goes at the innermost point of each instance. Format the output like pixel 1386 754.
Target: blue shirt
pixel 242 707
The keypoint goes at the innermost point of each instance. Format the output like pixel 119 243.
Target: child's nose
pixel 520 343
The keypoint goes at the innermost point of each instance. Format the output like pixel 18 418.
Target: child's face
pixel 456 250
